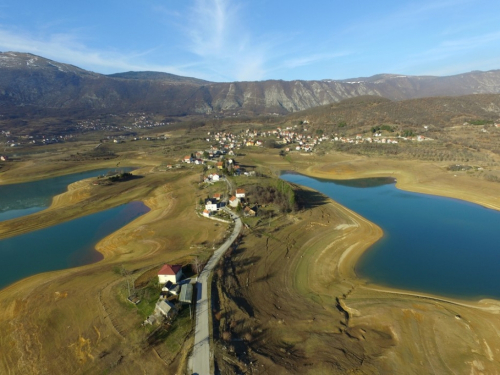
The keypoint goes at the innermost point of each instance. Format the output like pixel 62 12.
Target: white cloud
pixel 209 40
pixel 217 35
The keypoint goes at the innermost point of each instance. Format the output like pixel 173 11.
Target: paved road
pixel 199 363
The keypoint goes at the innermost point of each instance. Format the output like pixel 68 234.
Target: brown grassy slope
pixel 310 314
pixel 369 111
pixel 451 141
pixel 291 283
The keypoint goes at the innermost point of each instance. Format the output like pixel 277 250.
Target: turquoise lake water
pixel 18 200
pixel 65 245
pixel 431 244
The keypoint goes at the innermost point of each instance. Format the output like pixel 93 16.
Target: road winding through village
pixel 200 360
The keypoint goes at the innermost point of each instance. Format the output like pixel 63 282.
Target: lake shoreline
pixel 405 181
pixel 347 262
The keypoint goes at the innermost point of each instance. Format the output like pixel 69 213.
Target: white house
pixel 240 193
pixel 207 213
pixel 171 273
pixel 211 205
pixel 215 177
pixel 233 201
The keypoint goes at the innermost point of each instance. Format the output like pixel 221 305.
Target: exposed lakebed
pixel 65 245
pixel 431 244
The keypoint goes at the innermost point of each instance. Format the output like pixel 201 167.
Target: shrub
pixel 226 336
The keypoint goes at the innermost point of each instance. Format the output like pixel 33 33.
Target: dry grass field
pixel 296 302
pixel 78 320
pixel 288 300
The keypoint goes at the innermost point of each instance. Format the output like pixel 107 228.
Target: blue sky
pixel 241 40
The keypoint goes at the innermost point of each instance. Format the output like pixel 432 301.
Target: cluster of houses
pixel 142 121
pixel 38 139
pixel 219 162
pixel 174 291
pixel 214 204
pixel 253 138
pixel 189 159
pixel 378 138
pixel 200 157
pixel 96 125
pixel 139 121
pixel 211 177
pixel 297 140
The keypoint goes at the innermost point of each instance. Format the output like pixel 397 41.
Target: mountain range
pixel 30 82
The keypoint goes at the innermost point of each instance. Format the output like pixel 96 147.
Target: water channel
pixel 431 244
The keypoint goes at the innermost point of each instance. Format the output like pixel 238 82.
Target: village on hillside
pixel 295 140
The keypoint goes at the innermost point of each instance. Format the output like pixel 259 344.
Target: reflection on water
pixel 431 244
pixel 364 182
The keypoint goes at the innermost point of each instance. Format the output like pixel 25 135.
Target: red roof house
pixel 170 272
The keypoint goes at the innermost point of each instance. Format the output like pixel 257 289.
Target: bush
pixel 226 336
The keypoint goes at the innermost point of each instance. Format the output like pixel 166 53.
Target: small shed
pixel 171 288
pixel 165 308
pixel 186 295
pixel 249 212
